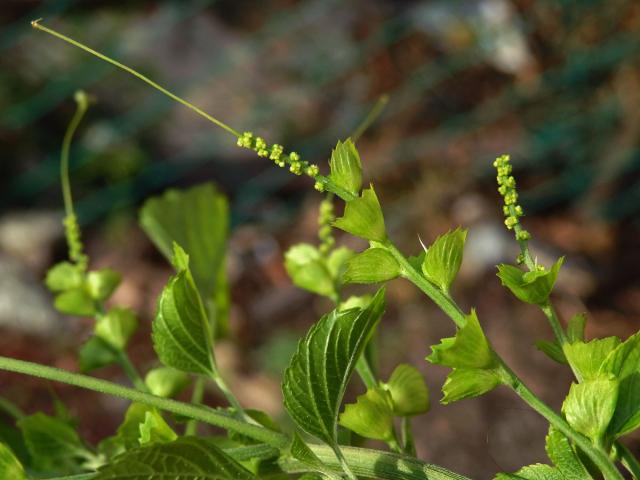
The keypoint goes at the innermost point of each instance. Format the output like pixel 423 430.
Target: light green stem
pixel 130 370
pixel 11 409
pixel 196 399
pixel 82 106
pixel 371 117
pixel 554 322
pixel 629 461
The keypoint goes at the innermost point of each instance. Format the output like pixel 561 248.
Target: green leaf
pixel 53 445
pixel 468 349
pixel 196 218
pixel 181 331
pixel 564 458
pixel 586 359
pixel 336 261
pixel 626 418
pixel 443 258
pixel 371 416
pixel 408 391
pixel 187 458
pixel 308 270
pixel 530 287
pixel 316 378
pixel 552 350
pixel 166 381
pixel 10 466
pixel 590 405
pixel 464 383
pixel 371 266
pixel 155 430
pixel 95 354
pixel 64 276
pixel 346 169
pixel 533 472
pixel 301 451
pixel 102 283
pixel 141 425
pixel 624 360
pixel 363 217
pixel 75 302
pixel 575 328
pixel 116 327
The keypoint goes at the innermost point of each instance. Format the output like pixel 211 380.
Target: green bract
pixel 308 269
pixel 590 405
pixel 346 169
pixel 64 276
pixel 531 287
pixel 371 266
pixel 116 327
pixel 102 283
pixel 371 416
pixel 409 392
pixel 166 381
pixel 363 217
pixel 10 466
pixel 444 257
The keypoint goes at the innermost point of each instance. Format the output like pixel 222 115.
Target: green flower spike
pixel 507 188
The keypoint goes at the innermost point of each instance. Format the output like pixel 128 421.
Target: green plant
pixel 190 228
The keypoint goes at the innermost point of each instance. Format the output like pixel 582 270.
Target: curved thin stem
pixel 371 117
pixel 82 106
pixel 130 370
pixel 629 461
pixel 36 24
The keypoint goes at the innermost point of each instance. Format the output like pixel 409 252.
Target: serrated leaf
pixel 575 328
pixel 197 219
pixel 586 359
pixel 181 331
pixel 468 349
pixel 371 416
pixel 530 287
pixel 166 381
pixel 116 327
pixel 316 378
pixel 301 452
pixel 96 353
pixel 10 466
pixel 187 458
pixel 371 266
pixel 53 445
pixel 363 217
pixel 308 270
pixel 443 258
pixel 155 430
pixel 76 301
pixel 464 383
pixel 141 420
pixel 552 350
pixel 64 276
pixel 102 283
pixel 590 405
pixel 346 169
pixel 624 360
pixel 564 458
pixel 408 390
pixel 533 472
pixel 626 417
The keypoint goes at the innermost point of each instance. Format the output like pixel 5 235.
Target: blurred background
pixel 555 83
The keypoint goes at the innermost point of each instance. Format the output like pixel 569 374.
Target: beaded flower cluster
pixel 507 188
pixel 276 153
pixel 325 220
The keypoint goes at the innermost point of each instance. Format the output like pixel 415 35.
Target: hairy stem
pixel 196 399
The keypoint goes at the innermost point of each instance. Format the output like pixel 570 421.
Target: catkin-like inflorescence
pixel 277 155
pixel 74 241
pixel 507 188
pixel 325 219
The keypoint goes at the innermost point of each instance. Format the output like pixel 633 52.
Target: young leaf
pixel 155 430
pixel 116 327
pixel 181 332
pixel 96 353
pixel 197 219
pixel 355 301
pixel 301 451
pixel 624 360
pixel 530 287
pixel 64 276
pixel 143 424
pixel 468 349
pixel 464 383
pixel 10 466
pixel 184 458
pixel 363 217
pixel 371 416
pixel 371 266
pixel 564 458
pixel 166 381
pixel 408 390
pixel 102 283
pixel 575 328
pixel 52 444
pixel 552 350
pixel 308 270
pixel 316 378
pixel 590 405
pixel 443 258
pixel 346 169
pixel 626 418
pixel 76 301
pixel 533 472
pixel 586 359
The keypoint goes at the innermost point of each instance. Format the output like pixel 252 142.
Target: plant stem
pixel 130 370
pixel 371 117
pixel 408 445
pixel 365 372
pixel 196 399
pixel 82 106
pixel 11 409
pixel 198 412
pixel 36 24
pixel 629 461
pixel 231 398
pixel 554 322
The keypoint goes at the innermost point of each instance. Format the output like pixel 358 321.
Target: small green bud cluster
pixel 507 188
pixel 74 241
pixel 276 154
pixel 325 220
